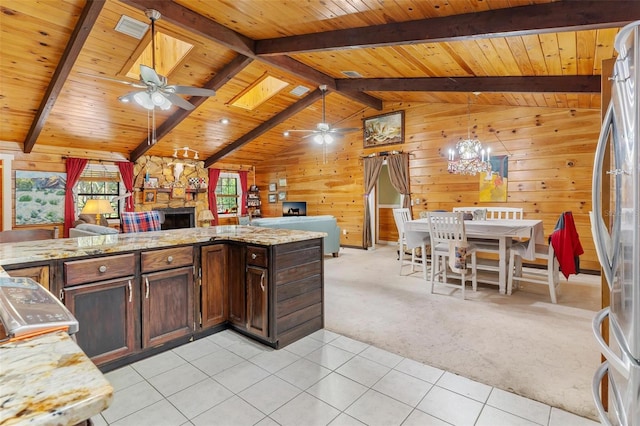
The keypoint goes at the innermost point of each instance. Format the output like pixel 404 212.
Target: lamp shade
pixel 97 207
pixel 205 216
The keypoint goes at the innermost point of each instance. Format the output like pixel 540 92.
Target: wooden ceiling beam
pixel 211 30
pixel 301 105
pixel 78 37
pixel 534 84
pixel 508 22
pixel 233 68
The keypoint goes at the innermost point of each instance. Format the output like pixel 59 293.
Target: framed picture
pixel 149 196
pixel 272 187
pixel 282 195
pixel 386 129
pixel 39 197
pixel 177 192
pixel 272 198
pixel 282 182
pixel 151 183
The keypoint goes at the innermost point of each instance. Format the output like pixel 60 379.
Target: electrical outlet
pixel 344 232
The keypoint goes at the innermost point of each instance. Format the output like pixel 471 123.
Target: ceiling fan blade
pixel 115 80
pixel 190 90
pixel 304 130
pixel 344 130
pixel 149 75
pixel 178 101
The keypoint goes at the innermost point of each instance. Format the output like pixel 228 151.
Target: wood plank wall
pixel 550 153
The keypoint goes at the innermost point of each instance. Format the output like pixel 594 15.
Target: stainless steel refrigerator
pixel 615 225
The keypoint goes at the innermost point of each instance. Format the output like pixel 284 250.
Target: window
pixel 99 182
pixel 228 193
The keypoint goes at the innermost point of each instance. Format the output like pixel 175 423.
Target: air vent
pixel 352 74
pixel 299 91
pixel 131 27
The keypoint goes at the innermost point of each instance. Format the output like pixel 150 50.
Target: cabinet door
pixel 237 292
pixel 167 305
pixel 257 291
pixel 214 304
pixel 106 314
pixel 39 274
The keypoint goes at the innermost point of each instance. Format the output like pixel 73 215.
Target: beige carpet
pixel 521 343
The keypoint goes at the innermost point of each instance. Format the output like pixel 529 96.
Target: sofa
pixel 327 224
pixel 90 230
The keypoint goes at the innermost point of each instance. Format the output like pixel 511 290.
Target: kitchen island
pixel 135 295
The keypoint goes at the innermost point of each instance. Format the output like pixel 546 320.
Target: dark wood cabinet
pixel 214 303
pixel 167 305
pixel 167 295
pixel 235 285
pixel 101 293
pixel 39 274
pixel 106 313
pixel 257 285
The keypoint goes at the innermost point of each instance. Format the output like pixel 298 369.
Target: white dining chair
pixel 511 213
pixel 401 216
pixel 549 276
pixel 446 230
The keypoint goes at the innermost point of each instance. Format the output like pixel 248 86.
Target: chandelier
pixel 469 158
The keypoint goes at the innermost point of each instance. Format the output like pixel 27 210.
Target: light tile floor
pixel 324 379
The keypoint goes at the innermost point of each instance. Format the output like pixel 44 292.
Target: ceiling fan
pixel 155 90
pixel 324 133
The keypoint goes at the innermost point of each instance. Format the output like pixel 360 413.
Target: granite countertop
pixel 62 248
pixel 48 380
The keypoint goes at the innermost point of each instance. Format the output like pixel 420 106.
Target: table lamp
pixel 97 207
pixel 205 216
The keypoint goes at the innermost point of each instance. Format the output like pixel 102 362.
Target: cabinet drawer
pixel 257 256
pixel 102 268
pixel 167 258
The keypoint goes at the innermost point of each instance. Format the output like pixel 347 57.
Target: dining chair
pixel 19 235
pixel 401 216
pixel 549 276
pixel 512 213
pixel 448 238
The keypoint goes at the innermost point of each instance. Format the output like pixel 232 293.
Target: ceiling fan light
pixel 143 99
pixel 318 139
pixel 157 99
pixel 328 139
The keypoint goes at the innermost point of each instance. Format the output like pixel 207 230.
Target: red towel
pixel 566 244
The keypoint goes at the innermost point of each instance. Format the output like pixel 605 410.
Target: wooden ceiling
pixel 59 60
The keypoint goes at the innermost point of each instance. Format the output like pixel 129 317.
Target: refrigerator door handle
pixel 601 237
pixel 595 392
pixel 602 371
pixel 618 364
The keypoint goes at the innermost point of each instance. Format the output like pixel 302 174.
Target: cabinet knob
pixel 102 268
pixel 253 256
pixel 169 259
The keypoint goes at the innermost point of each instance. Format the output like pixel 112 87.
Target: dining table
pixel 503 231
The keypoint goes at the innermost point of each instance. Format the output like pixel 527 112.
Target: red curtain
pixel 243 183
pixel 214 174
pixel 75 166
pixel 126 172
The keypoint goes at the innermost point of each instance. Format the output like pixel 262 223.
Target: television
pixel 294 208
